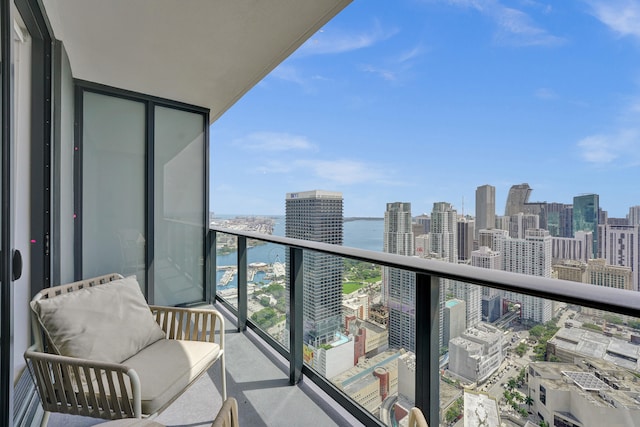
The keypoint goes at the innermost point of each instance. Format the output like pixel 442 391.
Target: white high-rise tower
pixel 532 256
pixel 400 285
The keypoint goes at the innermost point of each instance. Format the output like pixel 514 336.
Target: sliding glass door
pixel 141 192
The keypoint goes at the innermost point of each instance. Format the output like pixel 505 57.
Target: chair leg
pixel 224 379
pixel 45 419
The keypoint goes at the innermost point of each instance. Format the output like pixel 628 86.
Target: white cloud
pixel 274 141
pixel 603 149
pixel 515 27
pixel 334 41
pixel 385 74
pixel 289 74
pixel 621 16
pixel 410 54
pixel 342 171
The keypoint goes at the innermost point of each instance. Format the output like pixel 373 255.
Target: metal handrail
pixel 427 300
pixel 609 299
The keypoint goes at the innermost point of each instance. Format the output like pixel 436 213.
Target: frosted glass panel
pixel 179 206
pixel 113 186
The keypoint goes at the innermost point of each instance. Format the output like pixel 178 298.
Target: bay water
pixel 360 234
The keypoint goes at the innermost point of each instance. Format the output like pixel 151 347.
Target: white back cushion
pixel 109 322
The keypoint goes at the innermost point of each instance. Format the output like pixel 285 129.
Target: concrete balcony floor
pixel 257 377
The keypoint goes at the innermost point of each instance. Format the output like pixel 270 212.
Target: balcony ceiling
pixel 203 52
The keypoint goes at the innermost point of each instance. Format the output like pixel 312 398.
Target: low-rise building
pixel 590 393
pixel 570 344
pixel 477 353
pixel 371 380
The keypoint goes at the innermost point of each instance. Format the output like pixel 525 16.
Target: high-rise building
pixel 485 208
pixel 502 222
pixel 490 297
pixel 521 222
pixel 532 256
pixel 444 230
pixel 317 216
pixel 634 215
pixel 576 248
pixel 553 218
pixel 425 221
pixel 399 285
pixel 472 297
pixel 566 221
pixel 466 232
pixel 620 245
pixel 518 196
pixel 444 245
pixel 493 239
pixel 586 217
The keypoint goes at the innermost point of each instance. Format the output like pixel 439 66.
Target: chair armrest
pixel 85 387
pixel 190 323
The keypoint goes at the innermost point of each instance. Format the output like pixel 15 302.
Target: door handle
pixel 16 265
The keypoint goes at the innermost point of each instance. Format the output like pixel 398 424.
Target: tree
pixel 528 401
pixel 537 331
pixel 512 383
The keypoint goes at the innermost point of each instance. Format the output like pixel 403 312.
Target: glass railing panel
pixel 227 268
pixel 267 296
pixel 504 357
pixel 348 340
pixel 537 360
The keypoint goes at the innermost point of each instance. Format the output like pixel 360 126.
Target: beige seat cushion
pixel 166 367
pixel 109 322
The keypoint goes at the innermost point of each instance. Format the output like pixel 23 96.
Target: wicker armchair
pixel 416 418
pixel 100 351
pixel 228 414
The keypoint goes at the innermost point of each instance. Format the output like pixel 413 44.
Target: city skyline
pixel 424 101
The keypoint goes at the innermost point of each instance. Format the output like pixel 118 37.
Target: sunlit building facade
pixel 317 216
pixel 399 285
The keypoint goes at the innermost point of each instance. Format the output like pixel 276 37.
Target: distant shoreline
pixel 346 219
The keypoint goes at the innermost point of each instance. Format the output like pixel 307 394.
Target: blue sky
pixel 425 100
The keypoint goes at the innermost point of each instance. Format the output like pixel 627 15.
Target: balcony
pixel 265 376
pixel 428 276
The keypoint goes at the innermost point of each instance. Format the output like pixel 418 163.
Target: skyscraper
pixel 317 216
pixel 485 208
pixel 400 285
pixel 532 256
pixel 444 245
pixel 585 217
pixel 466 231
pixel 620 245
pixel 518 196
pixel 634 215
pixel 444 231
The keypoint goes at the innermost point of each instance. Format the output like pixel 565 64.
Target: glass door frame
pixel 6 291
pixel 82 86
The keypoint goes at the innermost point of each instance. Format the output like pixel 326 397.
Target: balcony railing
pixel 428 275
